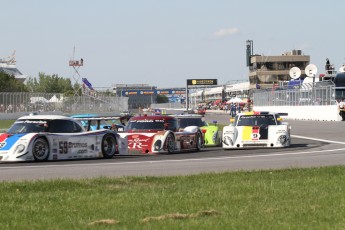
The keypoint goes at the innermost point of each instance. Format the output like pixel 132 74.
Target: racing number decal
pixel 63 147
pixel 255 136
pixel 255 133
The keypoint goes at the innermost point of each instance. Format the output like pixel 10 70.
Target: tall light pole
pixel 249 51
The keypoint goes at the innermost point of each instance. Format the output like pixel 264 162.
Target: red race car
pixel 158 134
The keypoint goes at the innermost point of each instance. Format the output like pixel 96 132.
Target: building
pixel 8 66
pixel 139 95
pixel 219 93
pixel 267 71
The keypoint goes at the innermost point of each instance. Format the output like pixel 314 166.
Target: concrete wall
pixel 317 113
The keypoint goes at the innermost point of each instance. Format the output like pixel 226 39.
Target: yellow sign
pixel 202 82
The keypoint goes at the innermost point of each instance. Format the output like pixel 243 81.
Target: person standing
pixel 233 110
pixel 342 109
pixel 328 66
pixel 140 110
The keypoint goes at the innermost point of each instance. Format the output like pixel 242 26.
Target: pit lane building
pixel 268 71
pixel 139 95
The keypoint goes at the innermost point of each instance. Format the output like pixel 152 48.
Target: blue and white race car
pixel 256 130
pixel 53 137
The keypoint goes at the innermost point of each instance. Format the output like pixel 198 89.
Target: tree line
pixel 48 84
pixel 43 84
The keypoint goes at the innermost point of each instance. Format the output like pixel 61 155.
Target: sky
pixel 163 43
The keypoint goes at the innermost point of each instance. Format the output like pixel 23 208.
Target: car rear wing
pixel 267 112
pixel 283 114
pixel 104 118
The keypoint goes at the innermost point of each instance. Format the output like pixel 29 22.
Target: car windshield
pixel 184 122
pixel 49 125
pixel 145 124
pixel 28 126
pixel 256 120
pixel 94 125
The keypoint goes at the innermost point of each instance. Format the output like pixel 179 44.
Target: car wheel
pixel 170 143
pixel 40 149
pixel 198 140
pixel 108 146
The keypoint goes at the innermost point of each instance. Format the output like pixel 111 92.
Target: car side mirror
pixel 106 126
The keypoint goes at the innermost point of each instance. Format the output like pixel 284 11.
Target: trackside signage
pixel 202 82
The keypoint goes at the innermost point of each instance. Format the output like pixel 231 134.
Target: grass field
pixel 5 124
pixel 281 199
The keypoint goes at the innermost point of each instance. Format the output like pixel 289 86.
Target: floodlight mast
pixel 249 51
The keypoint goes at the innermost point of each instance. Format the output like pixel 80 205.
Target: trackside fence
pixel 13 105
pixel 308 94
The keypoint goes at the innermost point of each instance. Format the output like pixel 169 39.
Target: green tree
pixel 162 99
pixel 50 84
pixel 9 83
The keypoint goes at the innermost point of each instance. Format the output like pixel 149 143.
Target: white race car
pixel 256 130
pixel 52 137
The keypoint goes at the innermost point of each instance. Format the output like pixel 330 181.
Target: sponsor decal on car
pixel 147 120
pixel 65 145
pixel 82 151
pixel 77 145
pixel 137 143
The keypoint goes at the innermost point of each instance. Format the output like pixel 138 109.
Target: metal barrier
pixel 308 94
pixel 21 103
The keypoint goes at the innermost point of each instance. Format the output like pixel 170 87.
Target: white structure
pixel 314 112
pixel 213 93
pixel 239 90
pixel 223 93
pixel 8 66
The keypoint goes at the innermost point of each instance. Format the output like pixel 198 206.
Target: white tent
pixel 234 100
pixel 38 100
pixel 54 99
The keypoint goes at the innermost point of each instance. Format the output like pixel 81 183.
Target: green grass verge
pixel 5 124
pixel 283 199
